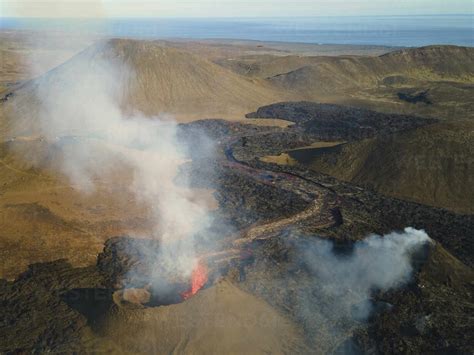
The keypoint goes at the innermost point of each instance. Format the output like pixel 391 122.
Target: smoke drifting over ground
pixel 376 263
pixel 82 112
pixel 340 297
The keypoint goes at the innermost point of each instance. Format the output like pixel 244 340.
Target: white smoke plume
pixel 82 111
pixel 343 284
pixel 376 262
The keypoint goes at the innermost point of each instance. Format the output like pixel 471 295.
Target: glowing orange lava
pixel 198 280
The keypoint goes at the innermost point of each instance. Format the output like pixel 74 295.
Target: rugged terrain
pixel 406 164
pixel 444 73
pixel 279 209
pixel 431 164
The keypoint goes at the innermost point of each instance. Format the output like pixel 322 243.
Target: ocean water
pixel 408 31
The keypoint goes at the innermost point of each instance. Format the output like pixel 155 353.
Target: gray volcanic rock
pixel 407 157
pixel 329 121
pixel 50 307
pixel 429 316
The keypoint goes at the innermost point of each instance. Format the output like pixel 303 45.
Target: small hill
pixel 336 73
pixel 266 66
pixel 445 73
pixel 435 62
pixel 432 165
pixel 146 78
pixel 174 81
pixel 442 61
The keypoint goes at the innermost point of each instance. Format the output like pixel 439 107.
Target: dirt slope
pixel 427 63
pixel 153 80
pixel 432 62
pixel 431 165
pixel 221 319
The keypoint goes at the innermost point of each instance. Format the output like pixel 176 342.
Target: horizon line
pixel 231 17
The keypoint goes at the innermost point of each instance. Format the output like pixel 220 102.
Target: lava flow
pixel 198 280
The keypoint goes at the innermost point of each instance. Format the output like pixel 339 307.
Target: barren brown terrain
pixel 287 166
pixel 65 223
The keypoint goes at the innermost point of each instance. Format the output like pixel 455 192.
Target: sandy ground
pixel 219 320
pixel 43 217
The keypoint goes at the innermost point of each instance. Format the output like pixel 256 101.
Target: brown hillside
pixel 153 80
pixel 444 73
pixel 432 165
pixel 432 62
pixel 426 63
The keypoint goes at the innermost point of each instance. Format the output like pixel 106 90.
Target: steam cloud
pixel 343 283
pixel 82 110
pixel 375 263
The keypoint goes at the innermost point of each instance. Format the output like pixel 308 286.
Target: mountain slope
pixel 174 81
pixel 432 165
pixel 426 63
pixel 146 78
pixel 440 62
pixel 444 74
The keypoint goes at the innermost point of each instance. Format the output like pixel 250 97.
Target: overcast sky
pixel 230 8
